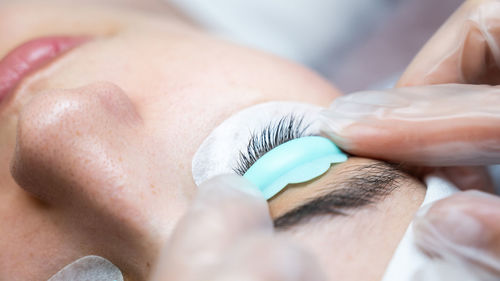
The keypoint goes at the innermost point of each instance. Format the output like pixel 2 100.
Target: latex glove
pixel 464 233
pixel 227 234
pixel 439 125
pixel 442 125
pixel 466 49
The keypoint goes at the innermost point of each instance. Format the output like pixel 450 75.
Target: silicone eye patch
pixel 295 161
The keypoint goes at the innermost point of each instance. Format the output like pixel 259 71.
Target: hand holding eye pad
pixel 295 161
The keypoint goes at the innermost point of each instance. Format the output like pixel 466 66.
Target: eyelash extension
pixel 287 128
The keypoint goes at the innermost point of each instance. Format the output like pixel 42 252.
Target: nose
pixel 76 150
pixel 69 140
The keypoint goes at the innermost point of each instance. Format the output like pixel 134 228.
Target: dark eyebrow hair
pixel 365 185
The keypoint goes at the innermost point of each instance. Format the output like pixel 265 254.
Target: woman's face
pixel 106 134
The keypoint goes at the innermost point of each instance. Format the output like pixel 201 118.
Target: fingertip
pixel 334 125
pixel 457 224
pixel 347 133
pixel 470 178
pixel 493 199
pixel 230 185
pixel 264 257
pixel 231 200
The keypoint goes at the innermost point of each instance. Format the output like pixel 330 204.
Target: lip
pixel 30 57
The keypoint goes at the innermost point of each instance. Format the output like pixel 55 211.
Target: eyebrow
pixel 365 185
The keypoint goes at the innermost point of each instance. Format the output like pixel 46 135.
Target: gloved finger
pixel 226 209
pixel 463 177
pixel 466 49
pixel 471 177
pixel 268 258
pixel 440 125
pixel 462 229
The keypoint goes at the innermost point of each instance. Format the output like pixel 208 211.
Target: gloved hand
pixel 439 125
pixel 442 125
pixel 227 234
pixel 463 232
pixel 466 49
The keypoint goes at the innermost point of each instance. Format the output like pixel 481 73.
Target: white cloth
pixel 89 268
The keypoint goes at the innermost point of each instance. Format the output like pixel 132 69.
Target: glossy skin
pixel 106 134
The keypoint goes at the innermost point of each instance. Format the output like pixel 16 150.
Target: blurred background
pixel 356 44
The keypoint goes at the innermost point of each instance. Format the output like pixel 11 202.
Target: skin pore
pixel 96 147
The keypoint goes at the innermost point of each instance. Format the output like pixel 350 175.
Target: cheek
pixel 87 154
pixel 84 151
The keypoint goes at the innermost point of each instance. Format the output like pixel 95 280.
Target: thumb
pixel 463 229
pixel 440 125
pixel 226 209
pixel 466 49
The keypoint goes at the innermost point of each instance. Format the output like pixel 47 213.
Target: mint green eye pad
pixel 295 161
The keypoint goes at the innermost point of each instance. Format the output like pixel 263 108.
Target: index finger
pixel 226 209
pixel 463 226
pixel 439 125
pixel 464 50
